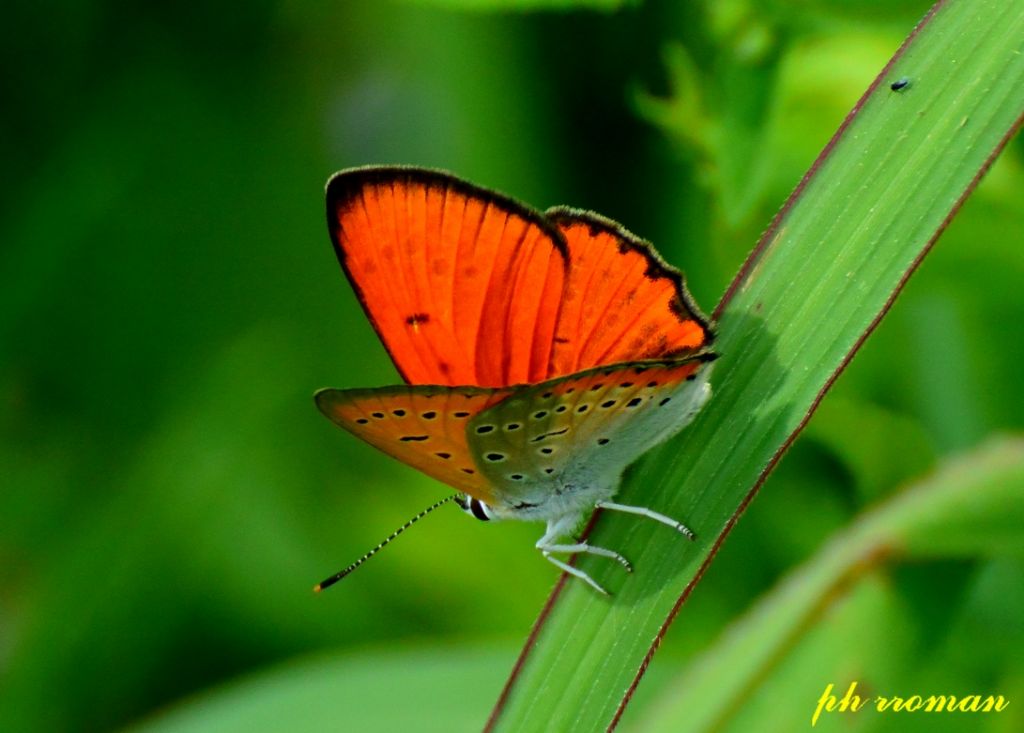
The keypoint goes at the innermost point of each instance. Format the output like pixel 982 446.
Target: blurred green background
pixel 170 301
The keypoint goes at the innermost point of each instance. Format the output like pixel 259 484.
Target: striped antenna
pixel 338 576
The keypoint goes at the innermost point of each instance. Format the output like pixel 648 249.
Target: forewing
pixel 422 426
pixel 463 285
pixel 622 301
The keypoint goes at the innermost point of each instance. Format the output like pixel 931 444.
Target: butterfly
pixel 543 353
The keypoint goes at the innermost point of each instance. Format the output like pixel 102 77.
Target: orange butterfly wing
pixel 463 285
pixel 622 302
pixel 422 426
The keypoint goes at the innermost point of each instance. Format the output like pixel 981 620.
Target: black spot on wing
pixel 552 434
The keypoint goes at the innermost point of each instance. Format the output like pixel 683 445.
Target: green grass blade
pixel 970 507
pixel 829 267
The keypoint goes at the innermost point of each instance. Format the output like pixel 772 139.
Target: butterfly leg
pixel 575 571
pixel 650 514
pixel 587 549
pixel 547 545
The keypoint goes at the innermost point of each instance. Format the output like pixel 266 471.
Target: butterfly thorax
pixel 551 500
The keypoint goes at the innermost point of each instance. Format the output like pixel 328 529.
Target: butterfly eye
pixel 479 510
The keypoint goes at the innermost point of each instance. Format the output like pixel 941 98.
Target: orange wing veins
pixel 622 301
pixel 463 285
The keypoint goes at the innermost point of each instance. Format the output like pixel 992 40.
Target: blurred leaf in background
pixel 168 493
